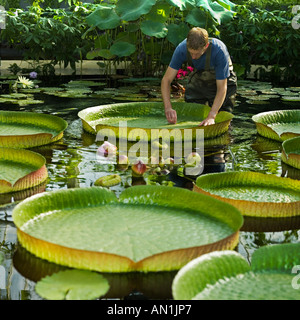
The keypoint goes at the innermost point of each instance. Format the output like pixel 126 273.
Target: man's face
pixel 196 54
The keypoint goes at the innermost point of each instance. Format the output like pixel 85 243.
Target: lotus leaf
pixel 217 9
pixel 72 285
pixel 149 228
pixel 278 125
pixel 227 275
pixel 197 17
pixel 104 18
pixel 154 29
pixel 20 169
pixel 130 10
pixel 291 152
pixel 122 49
pixel 29 129
pixel 159 12
pixel 150 115
pixel 183 4
pixel 177 32
pixel 253 193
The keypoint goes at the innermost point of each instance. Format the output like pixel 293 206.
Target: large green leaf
pixel 122 49
pixel 197 18
pixel 20 169
pixel 150 115
pixel 177 32
pixel 29 129
pixel 226 276
pixel 253 193
pixel 72 285
pixel 154 29
pixel 278 125
pixel 103 18
pixel 183 4
pixel 291 152
pixel 130 10
pixel 149 228
pixel 217 10
pixel 159 12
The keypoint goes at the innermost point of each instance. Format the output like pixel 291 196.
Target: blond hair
pixel 197 38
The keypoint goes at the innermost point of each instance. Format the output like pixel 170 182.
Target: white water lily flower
pixel 26 83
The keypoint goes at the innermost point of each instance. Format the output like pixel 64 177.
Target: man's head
pixel 197 42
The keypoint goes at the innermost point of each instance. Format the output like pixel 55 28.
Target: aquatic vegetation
pixel 278 125
pixel 226 275
pixel 108 181
pixel 72 285
pixel 21 169
pixel 253 193
pixel 29 129
pixel 291 152
pixel 142 115
pixel 143 230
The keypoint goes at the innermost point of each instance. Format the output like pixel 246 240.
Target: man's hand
pixel 207 122
pixel 171 115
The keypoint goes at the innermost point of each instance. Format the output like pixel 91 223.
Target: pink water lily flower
pixel 107 149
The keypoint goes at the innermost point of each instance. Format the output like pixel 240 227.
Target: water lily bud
pixel 193 159
pixel 169 161
pixel 123 159
pixel 139 168
pixel 107 149
pixel 123 162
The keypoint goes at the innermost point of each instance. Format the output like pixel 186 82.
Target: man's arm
pixel 218 101
pixel 166 81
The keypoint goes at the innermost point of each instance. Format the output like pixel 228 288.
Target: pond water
pixel 72 163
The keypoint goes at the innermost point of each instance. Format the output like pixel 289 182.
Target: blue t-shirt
pixel 219 60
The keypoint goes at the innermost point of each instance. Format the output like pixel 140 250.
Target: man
pixel 212 81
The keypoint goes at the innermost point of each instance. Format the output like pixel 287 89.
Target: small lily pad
pixel 72 285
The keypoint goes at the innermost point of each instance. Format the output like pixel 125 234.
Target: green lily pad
pixel 130 10
pixel 150 115
pixel 29 129
pixel 20 169
pixel 291 98
pixel 72 285
pixel 149 228
pixel 227 276
pixel 253 193
pixel 291 152
pixel 278 125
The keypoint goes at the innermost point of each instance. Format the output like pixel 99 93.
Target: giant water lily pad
pixel 21 169
pixel 149 228
pixel 291 152
pixel 28 129
pixel 278 125
pixel 253 193
pixel 227 275
pixel 150 115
